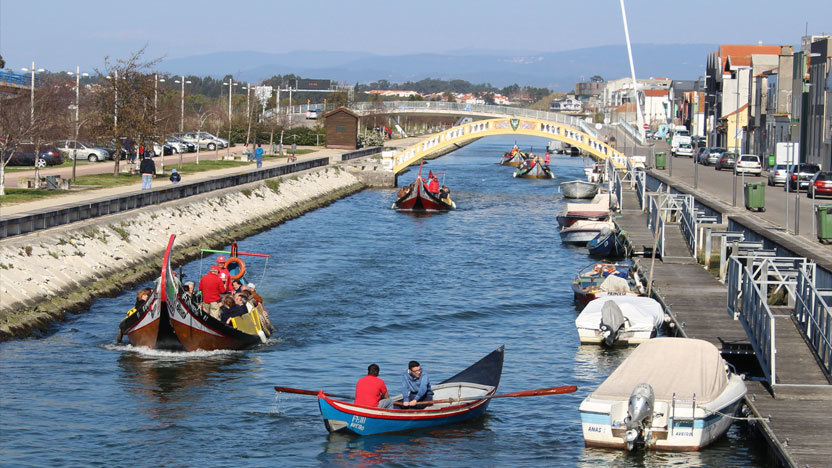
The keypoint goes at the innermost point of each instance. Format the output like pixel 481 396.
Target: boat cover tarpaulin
pixel 614 283
pixel 683 366
pixel 642 313
pixel 600 202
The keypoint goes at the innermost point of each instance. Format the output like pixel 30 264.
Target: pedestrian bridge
pixel 463 133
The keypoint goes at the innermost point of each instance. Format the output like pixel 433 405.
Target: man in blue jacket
pixel 415 386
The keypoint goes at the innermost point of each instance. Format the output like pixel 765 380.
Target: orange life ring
pixel 241 264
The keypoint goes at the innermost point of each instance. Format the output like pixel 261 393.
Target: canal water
pixel 347 285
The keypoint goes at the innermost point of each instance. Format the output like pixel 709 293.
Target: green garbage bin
pixel 771 160
pixel 755 196
pixel 661 160
pixel 824 222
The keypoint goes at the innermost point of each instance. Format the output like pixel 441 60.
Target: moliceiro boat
pixel 424 194
pixel 669 394
pixel 578 189
pixel 465 396
pixel 515 157
pixel 534 168
pixel 619 320
pixel 173 319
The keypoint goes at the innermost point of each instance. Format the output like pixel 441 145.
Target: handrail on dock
pixel 815 320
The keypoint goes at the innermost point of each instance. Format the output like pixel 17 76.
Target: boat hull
pixel 422 200
pixel 578 189
pixel 477 382
pixel 567 219
pixel 539 171
pixel 597 424
pixel 610 245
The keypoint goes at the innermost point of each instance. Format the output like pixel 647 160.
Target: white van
pixel 680 136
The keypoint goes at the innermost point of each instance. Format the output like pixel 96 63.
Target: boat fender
pixel 240 264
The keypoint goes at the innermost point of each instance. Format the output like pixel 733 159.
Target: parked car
pixel 312 114
pixel 821 184
pixel 749 164
pixel 24 155
pixel 712 156
pixel 697 157
pixel 85 150
pixel 684 149
pixel 698 141
pixel 726 161
pixel 777 174
pixel 205 140
pixel 179 146
pixel 800 176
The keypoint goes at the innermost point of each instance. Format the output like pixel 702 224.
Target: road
pixel 780 206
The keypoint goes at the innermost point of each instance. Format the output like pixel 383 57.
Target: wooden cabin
pixel 341 128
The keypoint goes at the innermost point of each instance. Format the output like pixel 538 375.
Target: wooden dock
pixel 799 425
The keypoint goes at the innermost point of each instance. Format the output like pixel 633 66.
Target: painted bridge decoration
pixel 445 139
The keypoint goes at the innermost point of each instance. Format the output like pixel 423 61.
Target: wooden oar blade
pixel 540 392
pixel 299 391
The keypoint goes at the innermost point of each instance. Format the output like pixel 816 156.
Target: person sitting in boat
pixel 433 183
pixel 546 159
pixel 444 193
pixel 532 162
pixel 232 307
pixel 236 286
pixel 212 289
pixel 405 190
pixel 224 274
pixel 415 386
pixel 256 300
pixel 141 298
pixel 371 391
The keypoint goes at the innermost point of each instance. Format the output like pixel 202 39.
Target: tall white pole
pixel 32 97
pixel 115 103
pixel 182 108
pixel 639 119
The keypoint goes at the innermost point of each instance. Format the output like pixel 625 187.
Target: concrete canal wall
pixel 47 274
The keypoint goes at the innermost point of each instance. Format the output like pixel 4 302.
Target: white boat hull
pixel 578 189
pixel 601 421
pixel 642 318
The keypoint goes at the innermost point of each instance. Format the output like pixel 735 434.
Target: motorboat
pixel 582 231
pixel 609 243
pixel 669 394
pixel 578 189
pixel 619 320
pixel 464 396
pixel 606 279
pixel 597 209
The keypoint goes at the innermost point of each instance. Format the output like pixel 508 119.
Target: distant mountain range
pixel 556 70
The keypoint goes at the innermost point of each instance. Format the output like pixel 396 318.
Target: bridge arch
pixel 504 126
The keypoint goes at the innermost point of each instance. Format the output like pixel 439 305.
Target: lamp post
pixel 156 81
pixel 33 70
pixel 230 85
pixel 78 76
pixel 114 78
pixel 737 146
pixel 182 104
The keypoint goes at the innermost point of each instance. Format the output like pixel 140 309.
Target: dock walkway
pixel 799 428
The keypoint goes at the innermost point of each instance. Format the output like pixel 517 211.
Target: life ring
pixel 241 264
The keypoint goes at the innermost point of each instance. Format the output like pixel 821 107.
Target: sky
pixel 60 34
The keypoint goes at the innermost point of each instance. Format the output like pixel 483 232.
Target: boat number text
pixel 358 422
pixel 683 433
pixel 594 429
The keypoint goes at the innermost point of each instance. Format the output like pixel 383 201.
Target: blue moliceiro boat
pixel 471 389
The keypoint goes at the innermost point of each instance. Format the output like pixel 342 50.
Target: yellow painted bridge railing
pixel 504 126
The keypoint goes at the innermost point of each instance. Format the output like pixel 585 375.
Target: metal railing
pixel 631 131
pixel 750 305
pixel 364 152
pixel 814 318
pixel 656 223
pixel 689 223
pixel 641 187
pixel 438 106
pixel 19 79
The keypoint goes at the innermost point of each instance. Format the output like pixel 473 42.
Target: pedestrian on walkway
pixel 148 172
pixel 258 156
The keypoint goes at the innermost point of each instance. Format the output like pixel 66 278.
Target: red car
pixel 821 184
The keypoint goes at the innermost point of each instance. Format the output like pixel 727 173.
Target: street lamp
pixel 738 146
pixel 115 101
pixel 182 104
pixel 33 70
pixel 156 81
pixel 78 76
pixel 230 85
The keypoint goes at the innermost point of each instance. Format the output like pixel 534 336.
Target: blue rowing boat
pixel 460 398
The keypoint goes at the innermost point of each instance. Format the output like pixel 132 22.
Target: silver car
pixel 777 174
pixel 84 150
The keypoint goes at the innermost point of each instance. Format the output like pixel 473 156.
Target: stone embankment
pixel 46 275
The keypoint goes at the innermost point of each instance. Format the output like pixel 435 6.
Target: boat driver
pixel 415 386
pixel 224 274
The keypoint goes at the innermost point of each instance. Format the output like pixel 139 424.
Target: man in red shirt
pixel 371 391
pixel 212 288
pixel 225 275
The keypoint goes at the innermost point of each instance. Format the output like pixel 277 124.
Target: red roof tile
pixel 655 92
pixel 736 51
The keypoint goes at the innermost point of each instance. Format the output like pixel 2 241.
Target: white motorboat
pixel 669 394
pixel 578 189
pixel 619 320
pixel 582 231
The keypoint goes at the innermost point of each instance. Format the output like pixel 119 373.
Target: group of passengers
pixel 224 298
pixel 444 193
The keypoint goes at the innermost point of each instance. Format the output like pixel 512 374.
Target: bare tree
pixel 15 128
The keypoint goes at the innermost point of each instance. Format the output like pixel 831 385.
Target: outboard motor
pixel 612 321
pixel 639 414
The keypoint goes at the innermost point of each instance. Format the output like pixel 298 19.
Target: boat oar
pixel 524 393
pixel 301 391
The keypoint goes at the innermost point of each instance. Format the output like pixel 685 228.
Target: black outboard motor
pixel 612 321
